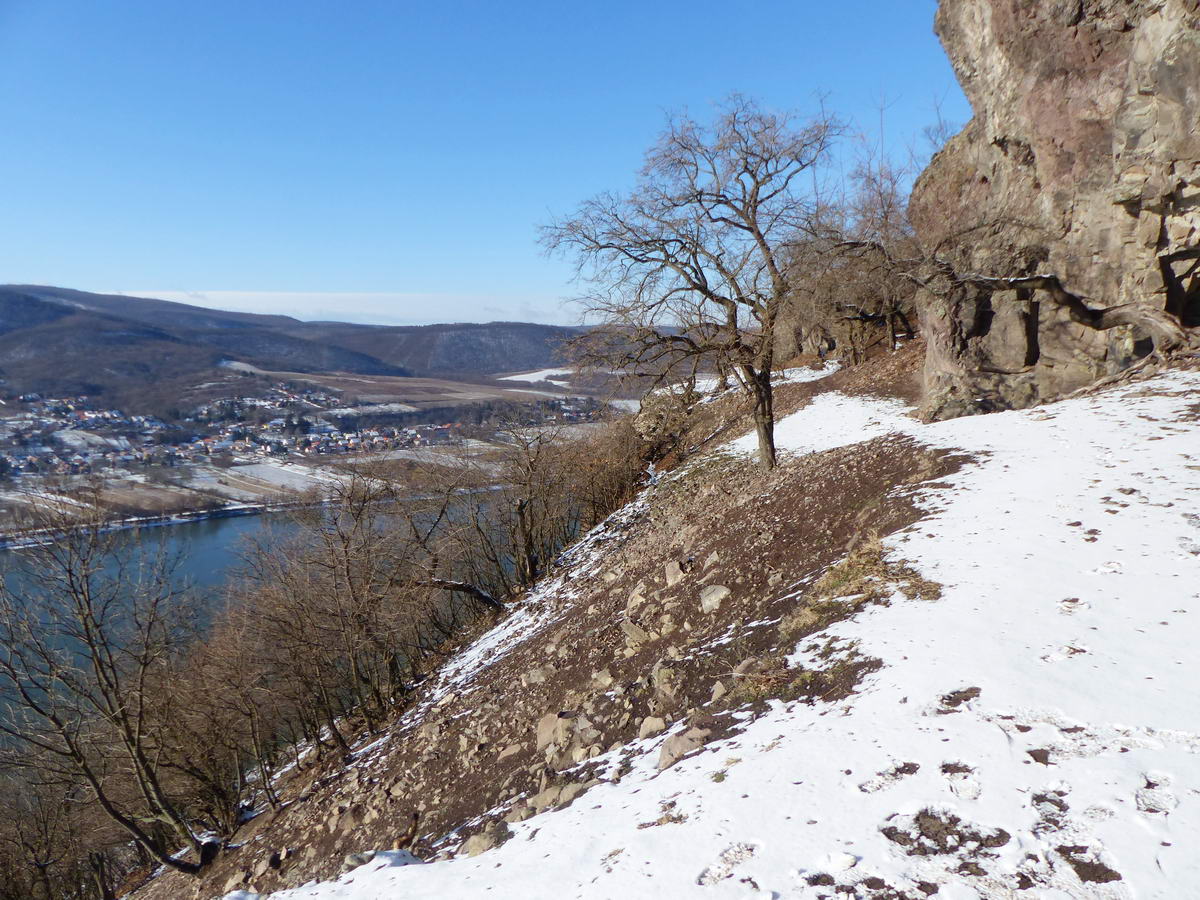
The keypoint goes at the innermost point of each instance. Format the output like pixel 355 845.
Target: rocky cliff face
pixel 1082 162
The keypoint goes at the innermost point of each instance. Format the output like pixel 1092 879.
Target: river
pixel 207 551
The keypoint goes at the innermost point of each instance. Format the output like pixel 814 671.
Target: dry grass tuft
pixel 864 577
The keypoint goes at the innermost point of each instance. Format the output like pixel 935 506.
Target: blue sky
pixel 388 161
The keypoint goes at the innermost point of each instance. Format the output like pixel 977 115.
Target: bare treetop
pixel 688 268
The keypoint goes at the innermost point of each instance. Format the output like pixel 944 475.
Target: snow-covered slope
pixel 539 375
pixel 1033 733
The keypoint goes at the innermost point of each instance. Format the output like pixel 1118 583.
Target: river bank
pixel 16 540
pixel 204 551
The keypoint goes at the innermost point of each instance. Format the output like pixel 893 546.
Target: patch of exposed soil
pixel 931 833
pixel 953 700
pixel 1086 866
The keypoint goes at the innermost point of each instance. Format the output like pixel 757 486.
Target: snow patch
pixel 550 375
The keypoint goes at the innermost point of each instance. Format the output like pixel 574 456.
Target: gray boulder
pixel 677 746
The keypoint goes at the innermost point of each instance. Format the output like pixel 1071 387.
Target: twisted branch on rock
pixel 1164 329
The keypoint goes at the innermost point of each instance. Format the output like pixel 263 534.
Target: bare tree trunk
pixel 722 375
pixel 260 758
pixel 43 877
pixel 764 415
pixel 99 869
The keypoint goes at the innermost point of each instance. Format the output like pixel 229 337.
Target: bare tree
pixel 334 596
pixel 36 835
pixel 87 639
pixel 873 298
pixel 688 269
pixel 846 294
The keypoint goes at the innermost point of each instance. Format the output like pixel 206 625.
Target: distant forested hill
pixel 458 349
pixel 56 340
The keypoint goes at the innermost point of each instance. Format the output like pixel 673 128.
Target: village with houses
pixel 236 452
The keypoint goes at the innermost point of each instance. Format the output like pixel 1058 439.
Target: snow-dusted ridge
pixel 551 375
pixel 1044 707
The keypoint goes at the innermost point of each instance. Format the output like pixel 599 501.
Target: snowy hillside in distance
pixel 1040 718
pixel 540 375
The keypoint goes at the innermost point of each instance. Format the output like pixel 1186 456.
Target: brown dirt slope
pixel 677 608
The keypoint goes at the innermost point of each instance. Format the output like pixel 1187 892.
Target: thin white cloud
pixel 378 308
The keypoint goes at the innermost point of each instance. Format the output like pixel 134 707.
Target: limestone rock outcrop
pixel 1082 162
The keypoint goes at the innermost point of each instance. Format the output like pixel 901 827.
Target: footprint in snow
pixel 1075 741
pixel 726 863
pixel 1065 652
pixel 888 777
pixel 1155 796
pixel 951 703
pixel 1071 605
pixel 963 781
